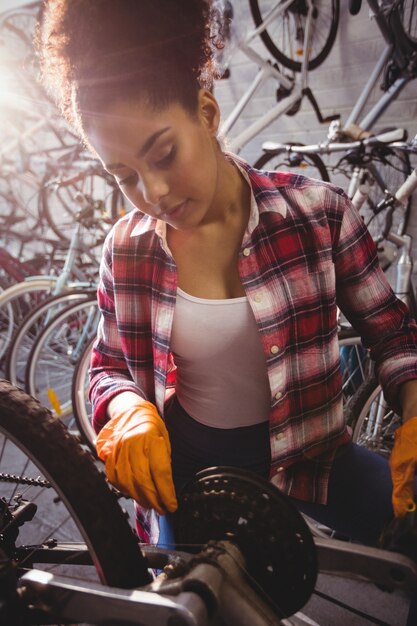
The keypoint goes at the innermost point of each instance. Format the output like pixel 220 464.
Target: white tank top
pixel 222 378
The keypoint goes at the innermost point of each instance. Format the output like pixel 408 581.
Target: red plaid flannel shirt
pixel 305 251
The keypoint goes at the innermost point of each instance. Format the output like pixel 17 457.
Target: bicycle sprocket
pixel 234 504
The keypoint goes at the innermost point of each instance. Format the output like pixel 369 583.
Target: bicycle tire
pixel 355 363
pixel 16 302
pixel 403 22
pixel 27 331
pixel 393 167
pixel 16 33
pixel 54 355
pixel 326 26
pixel 58 204
pixel 79 396
pixel 310 165
pixel 361 413
pixel 29 428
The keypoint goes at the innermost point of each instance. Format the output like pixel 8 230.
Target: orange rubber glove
pixel 136 450
pixel 403 465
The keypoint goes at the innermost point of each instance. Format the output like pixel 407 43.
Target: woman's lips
pixel 175 211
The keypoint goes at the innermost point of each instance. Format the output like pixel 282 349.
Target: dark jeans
pixel 359 496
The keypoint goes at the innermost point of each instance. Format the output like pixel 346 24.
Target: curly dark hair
pixel 93 52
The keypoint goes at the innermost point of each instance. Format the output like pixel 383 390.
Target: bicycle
pixel 313 25
pixel 20 299
pixel 397 59
pixel 380 161
pixel 245 554
pixel 55 353
pixel 372 421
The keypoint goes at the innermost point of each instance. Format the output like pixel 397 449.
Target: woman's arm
pixel 109 372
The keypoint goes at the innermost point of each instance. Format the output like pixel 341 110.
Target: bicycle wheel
pixel 76 506
pixel 404 22
pixel 355 364
pixel 310 165
pixel 23 339
pixel 79 393
pixel 16 302
pixel 58 203
pixel 16 34
pixel 372 421
pixel 55 354
pixel 284 35
pixel 388 170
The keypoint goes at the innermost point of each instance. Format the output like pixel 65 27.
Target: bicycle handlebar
pixel 393 138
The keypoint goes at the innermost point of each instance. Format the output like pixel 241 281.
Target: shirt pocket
pixel 311 298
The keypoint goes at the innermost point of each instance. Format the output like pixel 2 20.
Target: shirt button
pixel 246 251
pixel 278 395
pixel 258 298
pixel 280 469
pixel 279 436
pixel 274 349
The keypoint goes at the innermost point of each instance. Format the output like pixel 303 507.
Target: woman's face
pixel 166 162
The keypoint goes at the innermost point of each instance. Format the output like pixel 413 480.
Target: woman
pixel 218 338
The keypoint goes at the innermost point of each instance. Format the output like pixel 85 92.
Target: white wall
pixel 336 84
pixel 5 5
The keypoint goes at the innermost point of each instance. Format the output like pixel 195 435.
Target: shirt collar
pixel 265 195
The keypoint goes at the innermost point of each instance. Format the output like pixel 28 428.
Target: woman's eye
pixel 128 180
pixel 167 159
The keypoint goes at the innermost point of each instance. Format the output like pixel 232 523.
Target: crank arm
pixel 73 601
pixel 388 569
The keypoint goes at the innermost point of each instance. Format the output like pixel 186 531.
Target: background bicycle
pixel 336 84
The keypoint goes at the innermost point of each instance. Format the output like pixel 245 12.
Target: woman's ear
pixel 209 111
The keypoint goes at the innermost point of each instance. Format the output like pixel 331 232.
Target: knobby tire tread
pixel 82 486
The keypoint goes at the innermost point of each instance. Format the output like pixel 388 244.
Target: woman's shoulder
pixel 290 194
pixel 132 225
pixel 275 182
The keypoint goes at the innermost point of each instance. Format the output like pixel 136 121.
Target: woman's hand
pixel 136 450
pixel 403 465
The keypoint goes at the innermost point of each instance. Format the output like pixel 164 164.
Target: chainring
pixel 228 503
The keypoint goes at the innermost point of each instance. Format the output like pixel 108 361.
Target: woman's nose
pixel 154 188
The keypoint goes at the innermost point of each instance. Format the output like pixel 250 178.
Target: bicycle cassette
pixel 228 503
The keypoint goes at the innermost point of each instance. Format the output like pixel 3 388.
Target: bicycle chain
pixel 24 480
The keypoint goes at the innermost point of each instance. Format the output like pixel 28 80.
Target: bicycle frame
pixel 268 70
pixel 298 89
pixel 391 94
pixel 214 590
